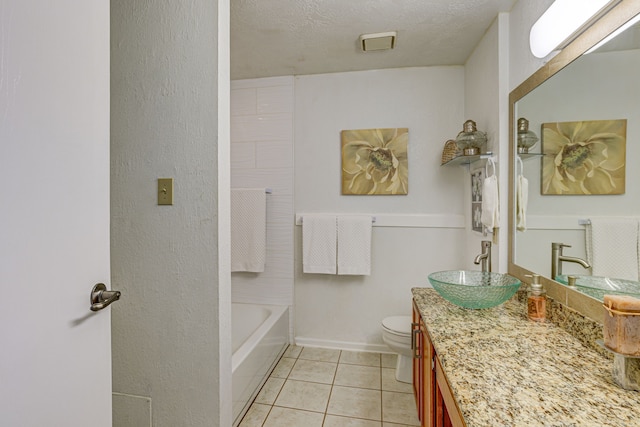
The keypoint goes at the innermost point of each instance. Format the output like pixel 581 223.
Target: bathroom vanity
pixel 495 367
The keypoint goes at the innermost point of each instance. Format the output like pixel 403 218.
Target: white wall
pixel 345 311
pixel 486 102
pixel 262 156
pixel 171 344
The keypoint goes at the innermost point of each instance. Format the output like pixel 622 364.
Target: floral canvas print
pixel 374 161
pixel 584 157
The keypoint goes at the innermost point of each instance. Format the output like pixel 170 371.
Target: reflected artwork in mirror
pixel 575 94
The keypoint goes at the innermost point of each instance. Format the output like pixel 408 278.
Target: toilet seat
pixel 397 325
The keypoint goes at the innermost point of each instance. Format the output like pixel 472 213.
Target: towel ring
pixel 486 167
pixel 519 162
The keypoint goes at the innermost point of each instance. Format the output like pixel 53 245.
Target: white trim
pixel 407 220
pixel 342 345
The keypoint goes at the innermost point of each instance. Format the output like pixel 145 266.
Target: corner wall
pixel 171 346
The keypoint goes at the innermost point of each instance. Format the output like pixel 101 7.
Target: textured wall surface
pixel 262 156
pixel 167 342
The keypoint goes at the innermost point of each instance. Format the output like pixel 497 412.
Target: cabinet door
pixel 447 412
pixel 428 379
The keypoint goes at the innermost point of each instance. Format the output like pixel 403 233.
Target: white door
pixel 55 354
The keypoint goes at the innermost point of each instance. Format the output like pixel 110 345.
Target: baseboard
pixel 341 345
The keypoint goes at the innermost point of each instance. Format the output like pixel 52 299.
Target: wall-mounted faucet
pixel 485 256
pixel 557 258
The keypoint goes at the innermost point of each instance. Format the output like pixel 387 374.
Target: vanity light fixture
pixel 563 21
pixel 471 140
pixel 615 34
pixel 378 41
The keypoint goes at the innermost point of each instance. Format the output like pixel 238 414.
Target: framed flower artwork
pixel 584 158
pixel 374 161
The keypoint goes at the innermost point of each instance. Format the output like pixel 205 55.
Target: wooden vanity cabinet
pixel 434 399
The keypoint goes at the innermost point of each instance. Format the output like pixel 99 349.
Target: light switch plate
pixel 165 191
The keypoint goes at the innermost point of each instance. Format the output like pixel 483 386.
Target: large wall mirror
pixel 600 88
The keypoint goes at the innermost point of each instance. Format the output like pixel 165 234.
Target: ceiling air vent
pixel 378 41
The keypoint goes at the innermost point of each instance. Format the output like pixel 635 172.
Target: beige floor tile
pixel 270 391
pixel 389 360
pixel 389 382
pixel 399 408
pixel 358 376
pixel 355 402
pixel 285 417
pixel 256 415
pixel 360 358
pixel 283 368
pixel 320 354
pixel 304 395
pixel 293 351
pixel 335 421
pixel 310 370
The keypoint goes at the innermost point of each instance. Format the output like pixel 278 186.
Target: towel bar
pixel 373 219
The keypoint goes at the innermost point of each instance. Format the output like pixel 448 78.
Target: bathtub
pixel 260 334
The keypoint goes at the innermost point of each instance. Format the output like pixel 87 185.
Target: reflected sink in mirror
pixel 474 289
pixel 598 287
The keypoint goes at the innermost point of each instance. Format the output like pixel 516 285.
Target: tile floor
pixel 313 387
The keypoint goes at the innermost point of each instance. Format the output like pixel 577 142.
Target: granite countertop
pixel 507 371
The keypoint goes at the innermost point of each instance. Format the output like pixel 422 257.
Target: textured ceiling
pixel 291 37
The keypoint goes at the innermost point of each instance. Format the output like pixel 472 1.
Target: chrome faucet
pixel 557 258
pixel 485 256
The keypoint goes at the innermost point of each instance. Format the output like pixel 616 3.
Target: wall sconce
pixel 470 140
pixel 526 138
pixel 562 22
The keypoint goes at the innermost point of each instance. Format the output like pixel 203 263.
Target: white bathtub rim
pixel 239 356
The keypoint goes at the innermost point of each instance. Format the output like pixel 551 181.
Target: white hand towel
pixel 248 229
pixel 612 247
pixel 522 198
pixel 319 244
pixel 490 217
pixel 354 245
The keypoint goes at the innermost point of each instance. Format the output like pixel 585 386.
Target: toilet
pixel 396 333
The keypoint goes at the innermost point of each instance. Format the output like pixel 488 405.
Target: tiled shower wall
pixel 262 156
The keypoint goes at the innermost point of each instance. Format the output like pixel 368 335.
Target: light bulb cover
pixel 562 21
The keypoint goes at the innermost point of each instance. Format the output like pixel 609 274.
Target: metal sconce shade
pixel 526 138
pixel 378 41
pixel 470 140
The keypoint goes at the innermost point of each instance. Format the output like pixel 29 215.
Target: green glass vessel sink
pixel 598 287
pixel 474 289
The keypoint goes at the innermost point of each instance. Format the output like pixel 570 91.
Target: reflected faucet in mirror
pixel 485 256
pixel 557 258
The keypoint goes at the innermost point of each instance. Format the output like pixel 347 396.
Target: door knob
pixel 101 297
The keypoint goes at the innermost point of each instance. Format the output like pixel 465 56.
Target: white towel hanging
pixel 522 196
pixel 490 217
pixel 354 244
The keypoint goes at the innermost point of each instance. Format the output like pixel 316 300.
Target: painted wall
pixel 410 240
pixel 564 98
pixel 170 90
pixel 486 102
pixel 262 156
